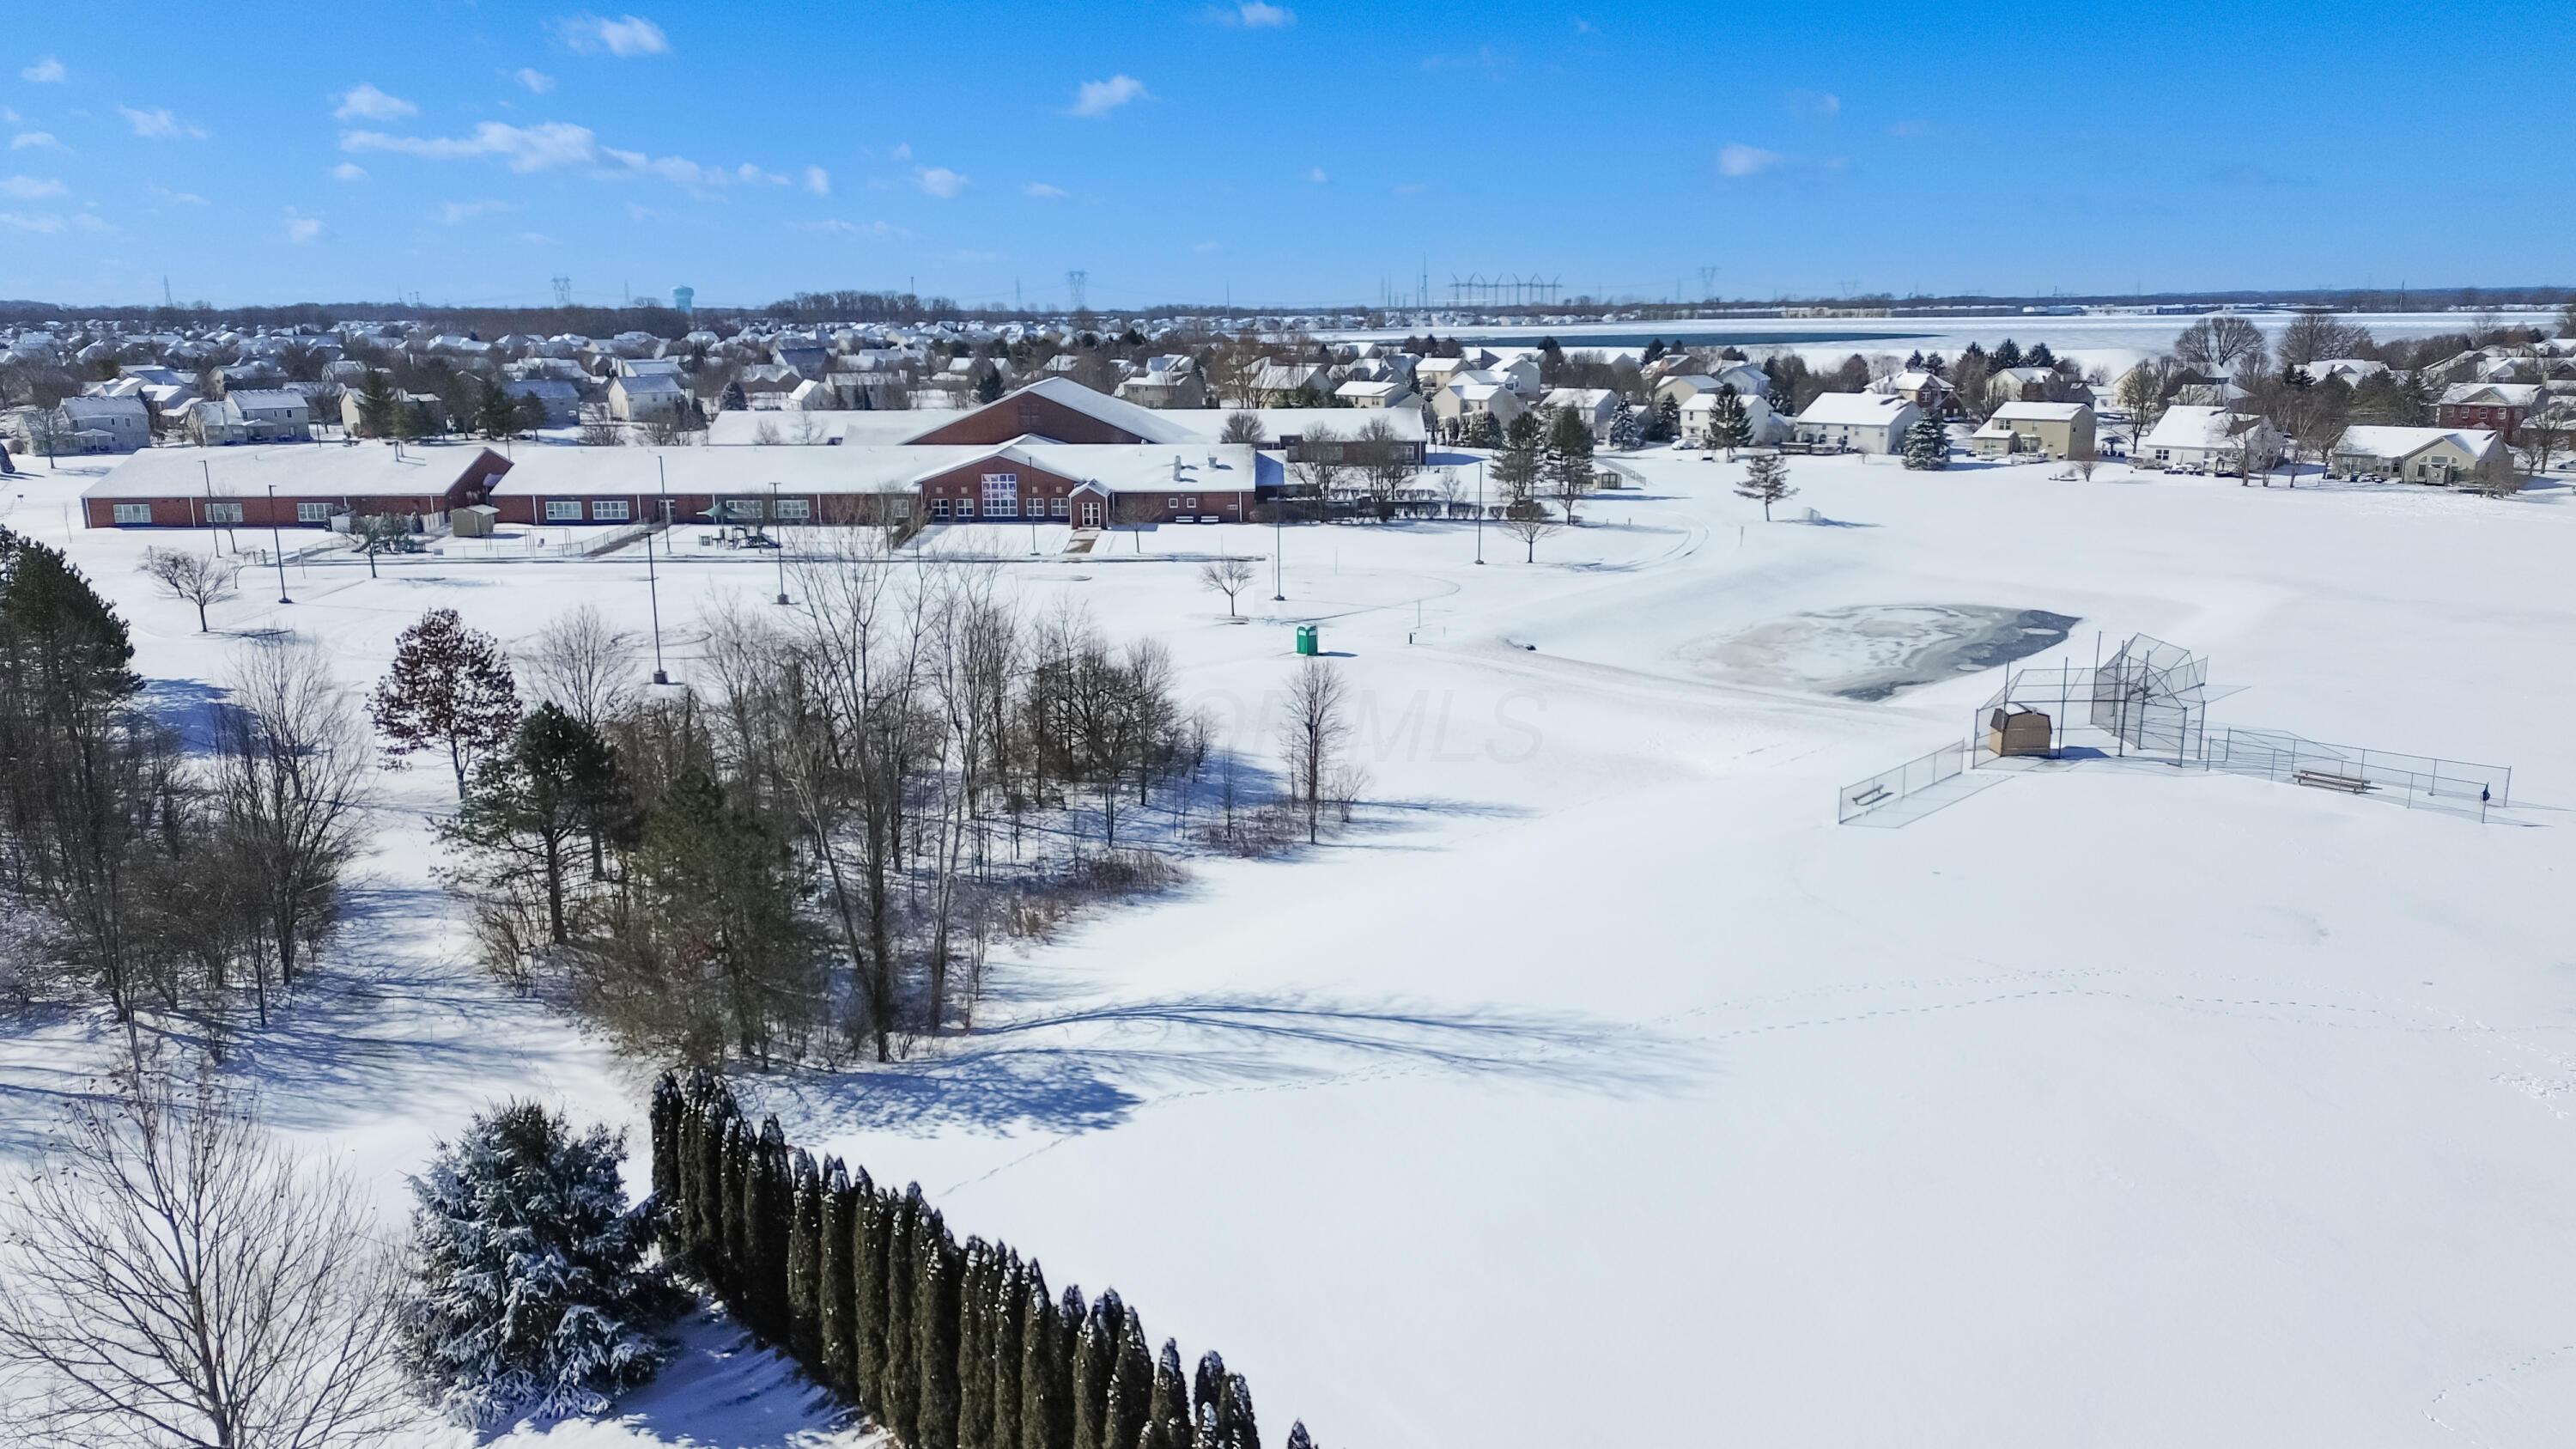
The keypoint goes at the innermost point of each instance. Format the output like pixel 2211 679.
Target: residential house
pixel 2498 406
pixel 562 400
pixel 1377 393
pixel 1178 384
pixel 1928 391
pixel 272 415
pixel 1858 422
pixel 1595 405
pixel 100 425
pixel 1699 419
pixel 2035 429
pixel 648 397
pixel 2415 455
pixel 2193 438
pixel 1470 395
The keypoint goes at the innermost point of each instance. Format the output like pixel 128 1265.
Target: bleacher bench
pixel 2328 780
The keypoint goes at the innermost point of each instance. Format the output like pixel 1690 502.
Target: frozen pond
pixel 1872 651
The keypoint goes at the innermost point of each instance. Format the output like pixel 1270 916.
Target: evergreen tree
pixel 1730 425
pixel 1131 1386
pixel 833 1303
pixel 710 1137
pixel 518 827
pixel 1668 420
pixel 2039 356
pixel 988 386
pixel 738 1249
pixel 1046 1389
pixel 1927 444
pixel 1095 1358
pixel 1234 1415
pixel 532 413
pixel 805 1262
pixel 722 891
pixel 1516 462
pixel 732 399
pixel 1297 1436
pixel 936 1321
pixel 901 1390
pixel 975 1344
pixel 379 406
pixel 525 1284
pixel 1766 480
pixel 668 1111
pixel 772 1217
pixel 1010 1331
pixel 495 411
pixel 1568 468
pixel 1625 433
pixel 2007 354
pixel 449 686
pixel 871 1226
pixel 1168 1410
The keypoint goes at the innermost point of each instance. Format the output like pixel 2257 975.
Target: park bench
pixel 2328 780
pixel 1869 797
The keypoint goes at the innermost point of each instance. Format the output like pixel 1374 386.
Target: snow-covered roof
pixel 295 470
pixel 2039 412
pixel 1865 409
pixel 863 425
pixel 2185 426
pixel 2500 394
pixel 2381 440
pixel 748 471
pixel 248 398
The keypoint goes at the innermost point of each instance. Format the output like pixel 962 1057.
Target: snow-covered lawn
pixel 1595 1087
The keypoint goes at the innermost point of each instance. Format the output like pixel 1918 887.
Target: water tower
pixel 684 300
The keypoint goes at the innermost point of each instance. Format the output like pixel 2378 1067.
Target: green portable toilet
pixel 1306 639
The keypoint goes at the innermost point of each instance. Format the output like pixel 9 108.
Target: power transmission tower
pixel 563 291
pixel 1073 284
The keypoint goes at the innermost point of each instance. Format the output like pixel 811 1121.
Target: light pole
pixel 778 542
pixel 1480 513
pixel 652 576
pixel 277 546
pixel 1278 545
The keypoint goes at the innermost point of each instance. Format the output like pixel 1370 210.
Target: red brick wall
pixel 1006 418
pixel 189 511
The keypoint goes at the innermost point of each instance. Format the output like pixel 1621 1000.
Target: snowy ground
pixel 1596 1087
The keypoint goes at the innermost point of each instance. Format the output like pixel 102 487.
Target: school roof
pixel 1185 425
pixel 748 470
pixel 294 470
pixel 835 425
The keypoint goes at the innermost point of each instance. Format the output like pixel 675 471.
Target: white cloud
pixel 818 181
pixel 534 79
pixel 1739 160
pixel 1044 192
pixel 348 171
pixel 302 230
pixel 1207 248
pixel 1316 175
pixel 1254 15
pixel 44 72
pixel 837 227
pixel 158 124
pixel 903 152
pixel 753 176
pixel 456 213
pixel 626 37
pixel 1816 105
pixel 1100 97
pixel 48 224
pixel 541 147
pixel 34 140
pixel 939 181
pixel 536 239
pixel 30 188
pixel 1410 188
pixel 176 198
pixel 363 102
pixel 636 211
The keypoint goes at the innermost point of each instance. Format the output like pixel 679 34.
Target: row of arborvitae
pixel 950 1345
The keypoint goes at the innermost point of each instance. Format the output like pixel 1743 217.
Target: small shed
pixel 474 520
pixel 2015 730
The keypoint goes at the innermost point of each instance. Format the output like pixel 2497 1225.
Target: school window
pixel 563 510
pixel 134 513
pixel 939 508
pixel 223 513
pixel 609 510
pixel 1191 503
pixel 965 507
pixel 1059 506
pixel 796 509
pixel 741 508
pixel 902 508
pixel 1172 503
pixel 1001 494
pixel 313 513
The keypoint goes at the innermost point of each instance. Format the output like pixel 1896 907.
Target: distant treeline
pixel 947 1345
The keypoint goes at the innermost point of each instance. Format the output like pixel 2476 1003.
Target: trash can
pixel 1306 639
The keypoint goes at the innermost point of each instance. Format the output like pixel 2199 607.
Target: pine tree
pixel 737 1250
pixel 380 408
pixel 935 1325
pixel 869 1230
pixel 1568 469
pixel 975 1344
pixel 1516 462
pixel 772 1220
pixel 1208 1384
pixel 525 1286
pixel 1730 426
pixel 1668 420
pixel 1297 1436
pixel 1766 480
pixel 1927 444
pixel 518 827
pixel 1625 431
pixel 1234 1415
pixel 707 1188
pixel 495 411
pixel 2007 354
pixel 449 685
pixel 805 1262
pixel 667 1111
pixel 988 387
pixel 732 399
pixel 1167 1412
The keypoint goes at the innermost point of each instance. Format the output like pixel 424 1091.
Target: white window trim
pixel 563 510
pixel 223 513
pixel 133 513
pixel 313 513
pixel 610 510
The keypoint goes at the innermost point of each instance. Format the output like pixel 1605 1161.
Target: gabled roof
pixel 2184 426
pixel 295 470
pixel 2039 412
pixel 1150 424
pixel 2396 444
pixel 1861 409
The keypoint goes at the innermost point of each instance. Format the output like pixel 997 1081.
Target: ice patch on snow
pixel 1871 651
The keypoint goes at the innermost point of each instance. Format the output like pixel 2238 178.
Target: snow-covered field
pixel 1595 1087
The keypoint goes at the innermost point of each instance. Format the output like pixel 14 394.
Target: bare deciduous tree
pixel 191 578
pixel 582 664
pixel 1313 733
pixel 1227 576
pixel 1529 523
pixel 2215 345
pixel 177 1279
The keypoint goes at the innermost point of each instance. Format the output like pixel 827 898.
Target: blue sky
pixel 1298 153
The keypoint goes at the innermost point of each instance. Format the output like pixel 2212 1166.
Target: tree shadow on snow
pixel 720 1387
pixel 1089 1068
